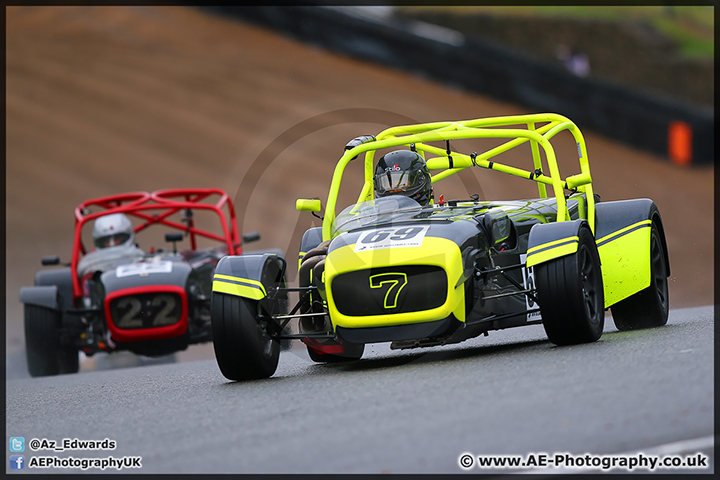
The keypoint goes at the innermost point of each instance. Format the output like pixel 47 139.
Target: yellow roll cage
pixel 449 162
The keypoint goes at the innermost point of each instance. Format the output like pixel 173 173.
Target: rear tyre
pixel 243 348
pixel 570 294
pixel 649 307
pixel 43 348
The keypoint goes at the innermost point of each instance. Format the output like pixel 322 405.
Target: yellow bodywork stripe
pixel 241 287
pixel 624 231
pixel 548 251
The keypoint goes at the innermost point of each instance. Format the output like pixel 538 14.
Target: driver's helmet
pixel 113 230
pixel 403 173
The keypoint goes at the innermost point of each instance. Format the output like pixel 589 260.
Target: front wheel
pixel 45 353
pixel 243 348
pixel 649 307
pixel 570 294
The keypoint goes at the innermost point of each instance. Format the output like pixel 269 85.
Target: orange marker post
pixel 680 143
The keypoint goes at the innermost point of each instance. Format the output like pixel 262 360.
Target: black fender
pixel 612 217
pixel 53 289
pixel 277 251
pixel 60 277
pixel 623 237
pixel 47 296
pixel 58 280
pixel 310 239
pixel 548 241
pixel 249 276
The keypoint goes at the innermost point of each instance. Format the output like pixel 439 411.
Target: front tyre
pixel 68 360
pixel 43 347
pixel 649 307
pixel 243 349
pixel 570 294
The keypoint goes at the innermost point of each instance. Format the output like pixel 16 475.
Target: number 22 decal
pixel 394 282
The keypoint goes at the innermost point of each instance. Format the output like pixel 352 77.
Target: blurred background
pixel 260 101
pixel 665 50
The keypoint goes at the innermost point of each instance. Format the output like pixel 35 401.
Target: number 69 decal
pixel 391 237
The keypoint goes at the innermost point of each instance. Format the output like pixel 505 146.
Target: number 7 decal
pixel 396 282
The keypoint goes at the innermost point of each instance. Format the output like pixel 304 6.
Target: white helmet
pixel 113 230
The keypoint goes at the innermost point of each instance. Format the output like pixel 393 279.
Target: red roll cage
pixel 162 204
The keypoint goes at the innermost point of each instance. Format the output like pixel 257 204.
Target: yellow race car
pixel 404 267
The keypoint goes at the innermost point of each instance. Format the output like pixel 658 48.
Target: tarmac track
pixel 409 411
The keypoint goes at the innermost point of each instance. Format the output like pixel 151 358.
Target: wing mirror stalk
pixel 309 205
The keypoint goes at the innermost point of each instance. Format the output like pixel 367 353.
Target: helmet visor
pixel 395 182
pixel 112 240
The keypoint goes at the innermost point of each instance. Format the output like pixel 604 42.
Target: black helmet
pixel 403 173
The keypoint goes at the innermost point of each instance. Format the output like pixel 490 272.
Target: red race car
pixel 153 300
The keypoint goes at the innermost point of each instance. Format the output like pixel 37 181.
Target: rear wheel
pixel 649 307
pixel 43 348
pixel 243 348
pixel 570 294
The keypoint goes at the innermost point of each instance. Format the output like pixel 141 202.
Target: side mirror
pixel 174 237
pixel 306 205
pixel 50 260
pixel 250 237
